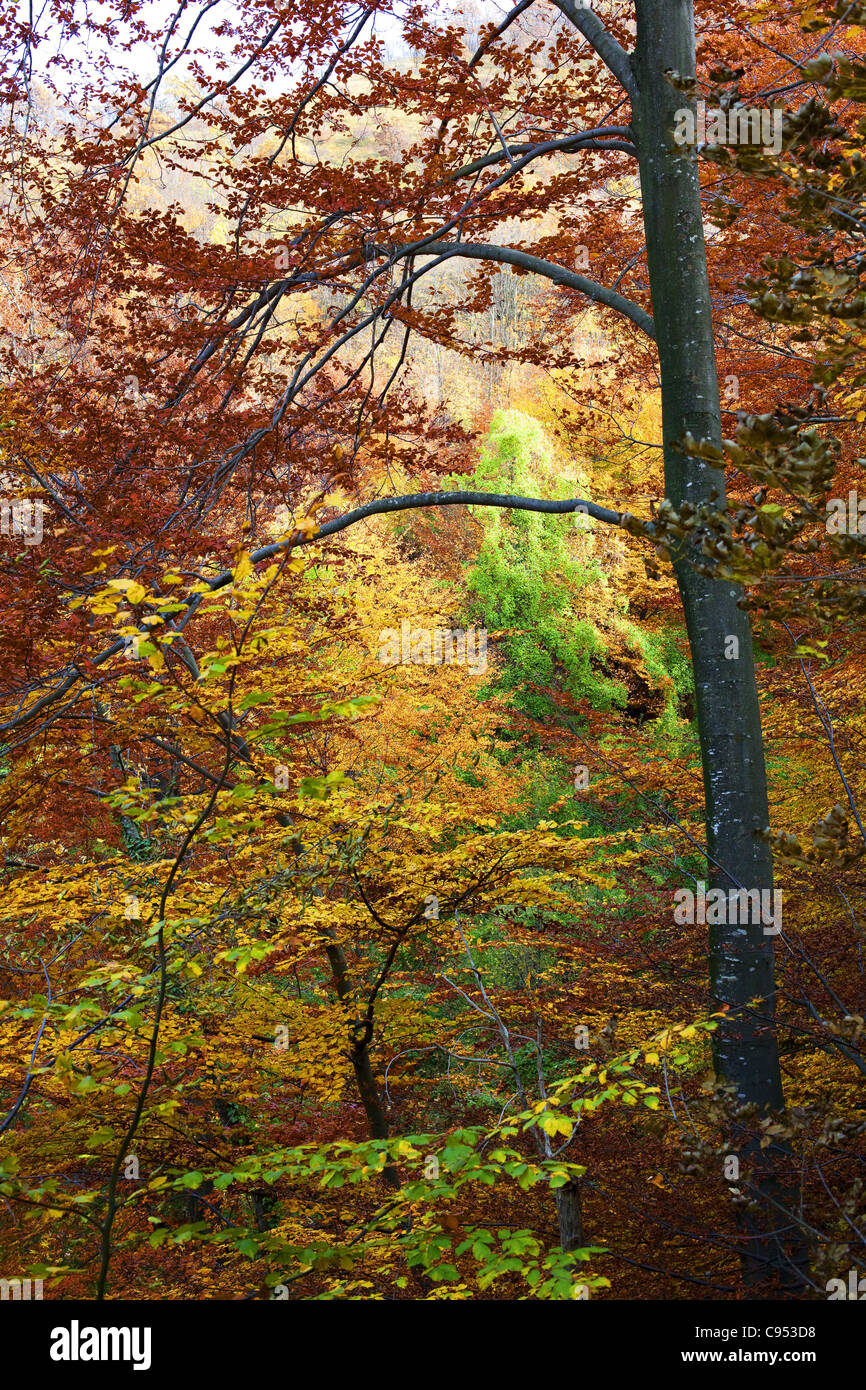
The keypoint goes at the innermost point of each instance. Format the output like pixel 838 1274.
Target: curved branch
pixel 383 506
pixel 613 137
pixel 558 274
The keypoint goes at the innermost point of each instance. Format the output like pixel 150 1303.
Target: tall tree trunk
pixel 741 956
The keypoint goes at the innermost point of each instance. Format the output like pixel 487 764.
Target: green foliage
pixel 668 667
pixel 526 581
pixel 416 1227
pixel 526 577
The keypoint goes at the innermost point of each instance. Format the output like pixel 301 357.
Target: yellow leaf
pixel 243 566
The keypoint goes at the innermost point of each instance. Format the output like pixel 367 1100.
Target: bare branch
pixel 614 137
pixel 510 255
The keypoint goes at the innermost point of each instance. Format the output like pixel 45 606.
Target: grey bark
pixel 729 721
pixel 741 956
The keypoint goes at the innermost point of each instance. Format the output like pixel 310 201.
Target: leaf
pixel 256 697
pixel 243 566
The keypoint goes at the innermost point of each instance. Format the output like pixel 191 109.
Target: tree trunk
pixel 729 723
pixel 569 1216
pixel 359 1055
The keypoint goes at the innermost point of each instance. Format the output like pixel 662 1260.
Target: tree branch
pixel 558 274
pixel 499 31
pixel 387 505
pixel 613 137
pixel 383 506
pixel 612 54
